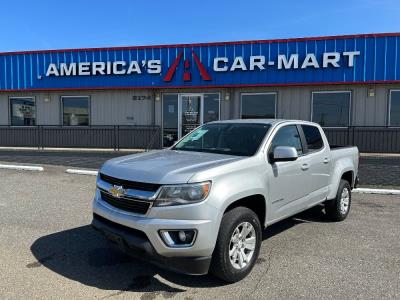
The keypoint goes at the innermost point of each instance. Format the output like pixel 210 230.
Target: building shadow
pixel 83 255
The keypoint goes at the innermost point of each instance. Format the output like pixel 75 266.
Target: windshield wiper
pixel 220 149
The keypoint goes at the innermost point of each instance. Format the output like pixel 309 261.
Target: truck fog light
pixel 178 238
pixel 182 236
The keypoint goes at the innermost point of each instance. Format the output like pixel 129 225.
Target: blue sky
pixel 31 25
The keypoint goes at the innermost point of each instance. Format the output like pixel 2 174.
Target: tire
pixel 232 223
pixel 338 209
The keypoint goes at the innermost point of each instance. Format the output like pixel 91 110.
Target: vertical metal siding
pixel 378 61
pixel 295 102
pixel 114 108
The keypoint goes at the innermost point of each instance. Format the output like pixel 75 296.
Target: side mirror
pixel 284 153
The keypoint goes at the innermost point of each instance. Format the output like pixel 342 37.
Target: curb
pixel 93 150
pixel 81 172
pixel 377 191
pixel 21 167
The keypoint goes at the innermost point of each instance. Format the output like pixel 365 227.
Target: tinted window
pixel 75 111
pixel 170 119
pixel 395 108
pixel 225 138
pixel 211 108
pixel 313 137
pixel 258 106
pixel 331 109
pixel 22 111
pixel 287 136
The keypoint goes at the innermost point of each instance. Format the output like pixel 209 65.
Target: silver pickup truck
pixel 202 204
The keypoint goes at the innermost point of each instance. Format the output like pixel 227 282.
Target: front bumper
pixel 194 259
pixel 137 244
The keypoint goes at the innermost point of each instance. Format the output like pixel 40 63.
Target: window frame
pixel 390 107
pixel 162 116
pixel 301 137
pixel 10 115
pixel 304 139
pixel 219 104
pixel 333 92
pixel 259 93
pixel 89 109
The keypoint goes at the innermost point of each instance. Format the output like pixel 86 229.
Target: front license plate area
pixel 116 239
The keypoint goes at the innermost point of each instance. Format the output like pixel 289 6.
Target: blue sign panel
pixel 329 60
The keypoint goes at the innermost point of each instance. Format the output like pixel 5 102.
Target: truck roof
pixel 259 121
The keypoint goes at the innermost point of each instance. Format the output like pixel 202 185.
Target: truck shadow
pixel 82 255
pixel 312 215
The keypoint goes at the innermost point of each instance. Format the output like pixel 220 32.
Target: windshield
pixel 225 138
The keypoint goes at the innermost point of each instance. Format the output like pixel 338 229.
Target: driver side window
pixel 287 136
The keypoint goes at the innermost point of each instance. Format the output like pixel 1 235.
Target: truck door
pixel 319 164
pixel 287 183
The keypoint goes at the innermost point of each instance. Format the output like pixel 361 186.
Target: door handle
pixel 326 160
pixel 305 167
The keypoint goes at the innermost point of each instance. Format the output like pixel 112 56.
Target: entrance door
pixel 191 112
pixel 184 112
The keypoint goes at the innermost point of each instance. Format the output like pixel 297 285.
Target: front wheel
pixel 339 208
pixel 238 245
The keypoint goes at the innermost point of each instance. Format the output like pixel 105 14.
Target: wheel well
pixel 348 176
pixel 255 202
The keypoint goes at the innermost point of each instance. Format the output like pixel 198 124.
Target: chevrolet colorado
pixel 202 204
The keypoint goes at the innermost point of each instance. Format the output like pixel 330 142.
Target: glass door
pixel 191 112
pixel 182 113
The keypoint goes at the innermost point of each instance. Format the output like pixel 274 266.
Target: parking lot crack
pixel 150 287
pixel 265 271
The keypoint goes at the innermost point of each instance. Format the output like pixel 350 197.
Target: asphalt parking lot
pixel 48 250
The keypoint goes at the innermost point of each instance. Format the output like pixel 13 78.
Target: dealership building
pixel 150 96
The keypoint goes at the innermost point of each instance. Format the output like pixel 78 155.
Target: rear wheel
pixel 238 245
pixel 339 208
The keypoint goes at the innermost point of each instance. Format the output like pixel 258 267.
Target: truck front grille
pixel 131 205
pixel 126 184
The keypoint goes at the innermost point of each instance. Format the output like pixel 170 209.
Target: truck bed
pixel 337 147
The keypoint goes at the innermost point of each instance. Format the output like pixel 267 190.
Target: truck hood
pixel 165 166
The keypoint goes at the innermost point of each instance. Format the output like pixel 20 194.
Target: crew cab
pixel 201 205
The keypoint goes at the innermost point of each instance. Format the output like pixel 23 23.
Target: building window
pixel 331 109
pixel 75 110
pixel 394 108
pixel 258 106
pixel 170 119
pixel 22 111
pixel 211 108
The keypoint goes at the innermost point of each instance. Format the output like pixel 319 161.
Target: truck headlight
pixel 183 194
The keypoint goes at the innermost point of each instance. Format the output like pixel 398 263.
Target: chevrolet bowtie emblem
pixel 117 191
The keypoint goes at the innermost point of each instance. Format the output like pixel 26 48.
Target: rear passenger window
pixel 287 136
pixel 313 138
